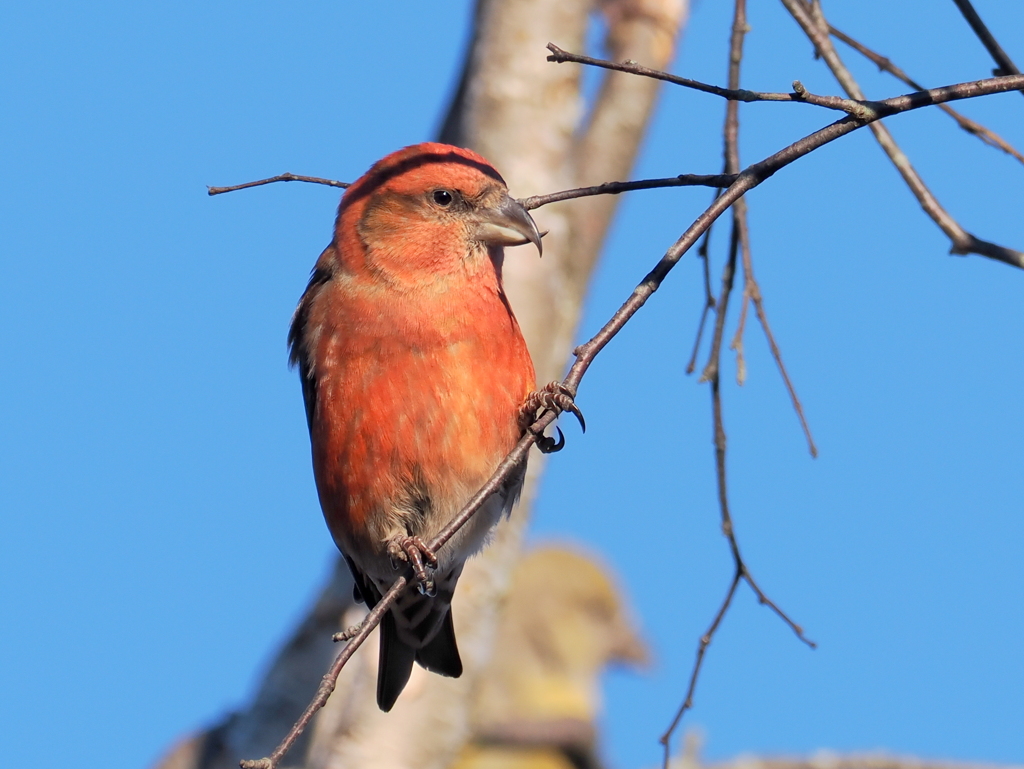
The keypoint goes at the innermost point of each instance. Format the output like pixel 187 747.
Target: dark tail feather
pixel 441 655
pixel 395 664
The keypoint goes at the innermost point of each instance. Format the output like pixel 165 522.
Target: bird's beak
pixel 507 224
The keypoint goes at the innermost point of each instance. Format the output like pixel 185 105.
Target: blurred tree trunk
pixel 530 119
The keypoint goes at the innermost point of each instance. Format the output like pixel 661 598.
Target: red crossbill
pixel 414 374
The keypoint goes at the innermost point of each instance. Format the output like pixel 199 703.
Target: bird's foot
pixel 414 551
pixel 556 397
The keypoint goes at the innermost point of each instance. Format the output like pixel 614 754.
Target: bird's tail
pixel 394 666
pixel 439 655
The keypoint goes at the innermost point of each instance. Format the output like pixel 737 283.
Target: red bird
pixel 416 380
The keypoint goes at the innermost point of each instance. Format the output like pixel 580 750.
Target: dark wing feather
pixel 441 653
pixel 363 590
pixel 298 336
pixel 398 650
pixel 394 666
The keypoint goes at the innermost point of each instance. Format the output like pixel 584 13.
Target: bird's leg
pixel 414 551
pixel 556 397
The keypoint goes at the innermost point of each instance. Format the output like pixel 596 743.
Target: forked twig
pixel 809 17
pixel 885 64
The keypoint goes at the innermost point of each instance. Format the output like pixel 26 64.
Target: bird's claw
pixel 556 397
pixel 548 445
pixel 414 551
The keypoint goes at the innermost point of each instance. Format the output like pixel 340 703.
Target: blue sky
pixel 159 530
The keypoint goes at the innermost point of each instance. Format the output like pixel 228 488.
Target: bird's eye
pixel 443 197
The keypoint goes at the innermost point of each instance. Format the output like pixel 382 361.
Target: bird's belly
pixel 405 435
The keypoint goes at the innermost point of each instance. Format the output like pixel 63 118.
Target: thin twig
pixel 702 647
pixel 777 355
pixel 752 295
pixel 736 345
pixel 585 354
pixel 809 17
pixel 739 211
pixel 709 298
pixel 285 177
pixel 799 95
pixel 885 64
pixel 1003 64
pixel 614 188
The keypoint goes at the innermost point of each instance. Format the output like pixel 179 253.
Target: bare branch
pixel 757 173
pixel 285 177
pixel 709 298
pixel 816 28
pixel 1002 60
pixel 739 241
pixel 702 647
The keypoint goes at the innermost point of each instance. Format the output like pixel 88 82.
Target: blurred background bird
pixel 414 374
pixel 564 622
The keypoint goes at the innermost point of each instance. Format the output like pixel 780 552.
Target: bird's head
pixel 430 209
